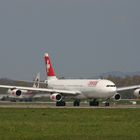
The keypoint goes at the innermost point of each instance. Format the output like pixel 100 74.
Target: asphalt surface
pixel 7 104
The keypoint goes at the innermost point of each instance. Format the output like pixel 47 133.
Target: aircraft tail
pixel 37 81
pixel 49 69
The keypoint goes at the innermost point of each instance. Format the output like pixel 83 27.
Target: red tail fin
pixel 49 69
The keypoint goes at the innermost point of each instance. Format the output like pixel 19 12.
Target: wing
pixel 128 88
pixel 46 90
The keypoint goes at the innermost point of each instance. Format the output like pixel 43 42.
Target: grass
pixel 69 124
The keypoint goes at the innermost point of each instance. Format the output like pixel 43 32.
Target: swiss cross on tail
pixel 49 69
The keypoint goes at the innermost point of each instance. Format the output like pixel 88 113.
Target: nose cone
pixel 108 88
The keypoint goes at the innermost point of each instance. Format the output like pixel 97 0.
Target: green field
pixel 69 124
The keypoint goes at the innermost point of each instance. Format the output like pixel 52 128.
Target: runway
pixel 7 104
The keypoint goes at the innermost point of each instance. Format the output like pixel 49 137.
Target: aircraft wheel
pixel 94 103
pixel 61 103
pixel 76 103
pixel 107 104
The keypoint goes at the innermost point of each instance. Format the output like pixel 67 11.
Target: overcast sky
pixel 83 37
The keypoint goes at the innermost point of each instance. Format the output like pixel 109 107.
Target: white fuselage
pixel 87 89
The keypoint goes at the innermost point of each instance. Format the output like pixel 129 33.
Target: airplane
pixel 61 89
pixel 92 89
pixel 22 95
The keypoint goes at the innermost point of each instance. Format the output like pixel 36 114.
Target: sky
pixel 84 38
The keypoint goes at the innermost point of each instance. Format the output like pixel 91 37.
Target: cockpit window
pixel 110 86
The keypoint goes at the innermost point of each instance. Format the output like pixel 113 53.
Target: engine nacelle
pixel 56 97
pixel 16 92
pixel 117 96
pixel 137 93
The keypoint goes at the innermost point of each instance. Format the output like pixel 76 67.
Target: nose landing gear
pixel 107 104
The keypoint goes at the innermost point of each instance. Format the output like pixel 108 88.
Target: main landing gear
pixel 76 103
pixel 94 103
pixel 61 103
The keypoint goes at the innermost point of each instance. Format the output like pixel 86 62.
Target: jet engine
pixel 56 97
pixel 117 96
pixel 16 92
pixel 137 93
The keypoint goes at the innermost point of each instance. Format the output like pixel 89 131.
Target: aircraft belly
pixel 27 95
pixel 97 94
